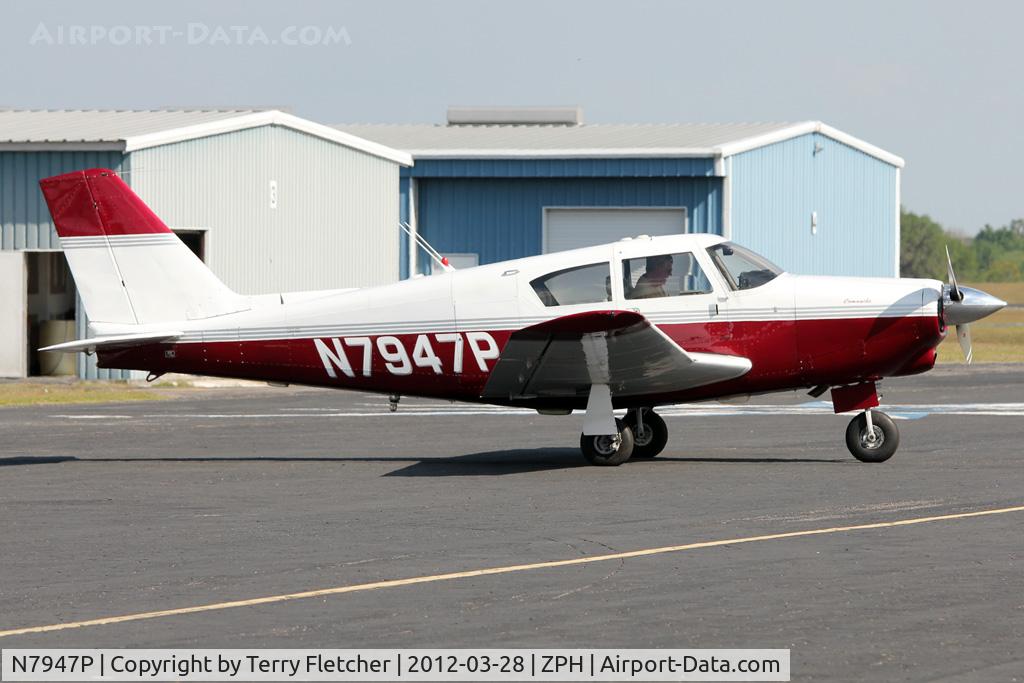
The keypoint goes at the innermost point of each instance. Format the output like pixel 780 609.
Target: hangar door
pixel 13 314
pixel 572 228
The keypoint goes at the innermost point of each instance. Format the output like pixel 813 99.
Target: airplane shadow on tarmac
pixel 539 459
pixel 36 460
pixel 494 463
pixel 487 463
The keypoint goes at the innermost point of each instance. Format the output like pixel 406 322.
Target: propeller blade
pixel 963 335
pixel 954 291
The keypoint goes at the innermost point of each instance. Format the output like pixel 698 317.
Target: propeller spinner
pixel 964 305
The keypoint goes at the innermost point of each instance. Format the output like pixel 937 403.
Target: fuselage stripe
pixel 384 328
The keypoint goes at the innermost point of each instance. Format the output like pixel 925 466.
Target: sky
pixel 937 82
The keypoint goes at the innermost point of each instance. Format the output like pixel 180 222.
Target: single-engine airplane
pixel 636 324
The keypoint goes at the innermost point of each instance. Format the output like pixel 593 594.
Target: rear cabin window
pixel 581 285
pixel 651 277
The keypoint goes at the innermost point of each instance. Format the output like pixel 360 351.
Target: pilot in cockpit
pixel 651 284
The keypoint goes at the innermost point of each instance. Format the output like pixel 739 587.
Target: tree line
pixel 993 255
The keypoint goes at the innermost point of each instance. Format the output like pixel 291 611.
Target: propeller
pixel 964 305
pixel 954 292
pixel 963 332
pixel 963 335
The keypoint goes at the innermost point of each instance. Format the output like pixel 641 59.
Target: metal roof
pixel 42 126
pixel 128 130
pixel 430 141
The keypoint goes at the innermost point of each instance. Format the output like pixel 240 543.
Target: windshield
pixel 742 268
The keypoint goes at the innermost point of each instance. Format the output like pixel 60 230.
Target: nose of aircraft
pixel 973 304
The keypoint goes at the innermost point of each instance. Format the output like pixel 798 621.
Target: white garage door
pixel 13 314
pixel 575 228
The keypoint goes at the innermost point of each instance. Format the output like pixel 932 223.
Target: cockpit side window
pixel 742 268
pixel 580 285
pixel 651 277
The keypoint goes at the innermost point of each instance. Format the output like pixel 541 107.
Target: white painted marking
pixel 483 347
pixel 897 411
pixel 367 344
pixel 95 417
pixel 456 339
pixel 492 571
pixel 333 359
pixel 293 416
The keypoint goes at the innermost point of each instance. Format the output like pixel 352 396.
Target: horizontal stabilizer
pixel 112 342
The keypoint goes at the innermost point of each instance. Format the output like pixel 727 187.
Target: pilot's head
pixel 660 265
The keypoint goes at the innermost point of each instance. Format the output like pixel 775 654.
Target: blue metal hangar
pixel 496 184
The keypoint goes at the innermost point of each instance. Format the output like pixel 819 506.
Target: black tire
pixel 600 450
pixel 655 434
pixel 887 437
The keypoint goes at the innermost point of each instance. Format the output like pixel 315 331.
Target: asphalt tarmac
pixel 232 495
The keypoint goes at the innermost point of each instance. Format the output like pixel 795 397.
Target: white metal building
pixel 272 202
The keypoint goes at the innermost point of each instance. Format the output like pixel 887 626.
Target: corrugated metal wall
pixel 502 218
pixel 24 219
pixel 776 189
pixel 336 221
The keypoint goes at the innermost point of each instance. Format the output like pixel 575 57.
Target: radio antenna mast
pixel 423 244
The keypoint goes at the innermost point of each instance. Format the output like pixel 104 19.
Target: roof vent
pixel 514 116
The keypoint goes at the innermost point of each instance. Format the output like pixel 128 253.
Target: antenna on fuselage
pixel 425 246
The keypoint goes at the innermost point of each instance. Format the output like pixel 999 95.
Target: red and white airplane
pixel 632 325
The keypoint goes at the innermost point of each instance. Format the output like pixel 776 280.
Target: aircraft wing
pixel 565 356
pixel 112 342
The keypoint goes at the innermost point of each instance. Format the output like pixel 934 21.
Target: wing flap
pixel 565 356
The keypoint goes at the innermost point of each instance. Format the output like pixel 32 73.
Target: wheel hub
pixel 607 444
pixel 872 438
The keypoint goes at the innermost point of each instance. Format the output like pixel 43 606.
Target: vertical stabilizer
pixel 128 266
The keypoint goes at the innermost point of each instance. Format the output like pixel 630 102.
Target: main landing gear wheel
pixel 876 444
pixel 650 433
pixel 608 449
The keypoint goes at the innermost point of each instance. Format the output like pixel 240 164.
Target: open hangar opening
pixel 496 184
pixel 271 202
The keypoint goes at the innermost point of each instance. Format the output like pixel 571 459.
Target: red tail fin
pixel 130 269
pixel 97 202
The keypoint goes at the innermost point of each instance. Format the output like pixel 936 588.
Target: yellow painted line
pixel 395 583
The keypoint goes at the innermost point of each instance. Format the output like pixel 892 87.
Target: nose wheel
pixel 872 436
